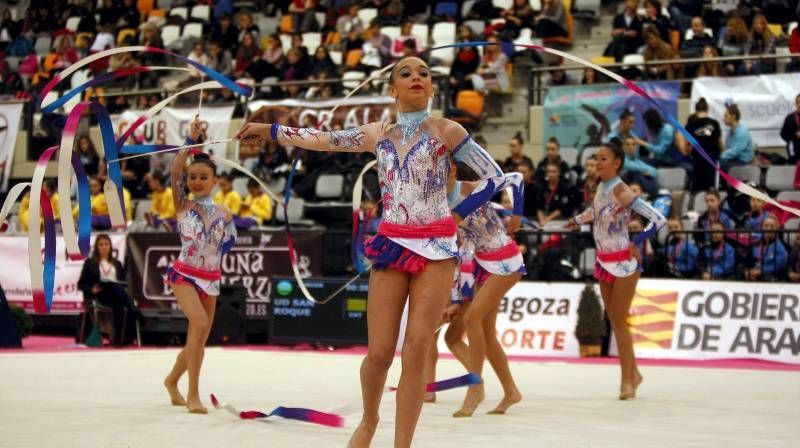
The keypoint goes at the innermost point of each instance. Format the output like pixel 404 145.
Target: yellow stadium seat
pixel 123 33
pixel 470 101
pixel 603 60
pixel 776 29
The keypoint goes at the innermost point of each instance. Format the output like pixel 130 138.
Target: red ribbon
pixel 439 228
pixel 611 257
pixel 509 250
pixel 202 274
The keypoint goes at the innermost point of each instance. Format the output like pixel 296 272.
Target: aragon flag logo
pixel 652 319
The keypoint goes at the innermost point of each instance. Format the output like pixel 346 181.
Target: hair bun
pixel 202 156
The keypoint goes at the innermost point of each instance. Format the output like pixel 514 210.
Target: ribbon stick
pixel 300 414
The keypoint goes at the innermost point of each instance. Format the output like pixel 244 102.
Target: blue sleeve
pixel 729 260
pixel 655 217
pixel 228 238
pixel 740 146
pixel 663 142
pixel 492 179
pixel 639 166
pixel 517 191
pixel 189 141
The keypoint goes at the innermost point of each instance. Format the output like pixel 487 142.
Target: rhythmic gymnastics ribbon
pixel 77 243
pixel 301 414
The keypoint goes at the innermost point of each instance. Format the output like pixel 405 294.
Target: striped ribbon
pixel 300 414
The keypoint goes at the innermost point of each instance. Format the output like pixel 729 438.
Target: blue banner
pixel 581 116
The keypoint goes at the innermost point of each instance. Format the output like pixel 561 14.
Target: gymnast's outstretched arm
pixel 360 139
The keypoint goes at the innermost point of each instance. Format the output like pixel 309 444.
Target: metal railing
pixel 538 89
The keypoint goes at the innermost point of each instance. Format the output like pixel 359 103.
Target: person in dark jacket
pixel 790 133
pixel 102 279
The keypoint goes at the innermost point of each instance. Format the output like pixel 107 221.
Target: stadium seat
pixel 294 211
pixel 312 41
pixel 749 173
pixel 780 177
pixel 170 34
pixel 633 59
pixel 536 5
pixel 790 28
pixel 502 4
pixel 180 11
pixel 43 45
pixel 587 260
pixel 776 29
pixel 329 186
pixel 477 26
pixel 351 79
pixel 277 184
pixel 142 206
pixel 420 31
pixel 443 33
pixel 239 185
pixel 569 155
pixel 470 101
pixel 286 42
pixel 689 34
pixel 201 12
pixel 353 58
pixel 602 60
pixel 72 24
pixel 145 6
pixel 589 7
pixel 446 9
pixel 124 33
pixel 193 30
pixel 564 41
pixel 13 63
pixel 793 196
pixel 320 18
pixel 267 25
pixel 792 224
pixel 366 15
pixel 164 4
pixel 495 22
pixel 336 57
pixel 672 178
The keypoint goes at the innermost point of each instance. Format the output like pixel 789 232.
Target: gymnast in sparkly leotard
pixel 618 259
pixel 413 255
pixel 207 232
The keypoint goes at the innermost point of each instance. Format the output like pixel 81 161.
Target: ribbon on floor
pixel 300 414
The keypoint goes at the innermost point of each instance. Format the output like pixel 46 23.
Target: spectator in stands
pixel 399 41
pixel 323 64
pixel 297 43
pixel 755 220
pixel 738 143
pixel 61 56
pixel 558 76
pixel 682 11
pixel 552 156
pixel 637 170
pixel 770 256
pixel 88 154
pixel 552 22
pixel 553 199
pixel 590 181
pixel 718 260
pixel 246 26
pixel 256 208
pixel 761 42
pixel 662 147
pixel 714 213
pixel 129 17
pixel 520 15
pixel 516 147
pixel 109 13
pixel 525 167
pixel 151 37
pixel 589 76
pixel 294 69
pixel 249 59
pixel 681 252
pixel 492 74
pixel 790 133
pixel 377 46
pixel 162 208
pixel 708 134
pixel 101 279
pixel 227 196
pixel 226 33
pixel 465 65
pixel 350 22
pixel 654 17
pixel 272 161
pixel 794 261
pixel 657 50
pixel 710 67
pixel 220 59
pixel 732 41
pixel 635 226
pixel 624 129
pixel 198 55
pixel 133 172
pixel 626 32
pixel 794 48
pixel 392 13
pixel 697 39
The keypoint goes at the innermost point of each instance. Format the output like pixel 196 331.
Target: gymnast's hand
pixel 255 132
pixel 196 130
pixel 635 253
pixel 513 225
pixel 450 313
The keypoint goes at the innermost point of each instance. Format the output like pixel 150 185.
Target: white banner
pixel 171 126
pixel 716 320
pixel 764 102
pixel 538 319
pixel 10 115
pixel 15 277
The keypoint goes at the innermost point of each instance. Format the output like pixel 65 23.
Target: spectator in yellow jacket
pixel 49 187
pixel 257 207
pixel 227 196
pixel 162 208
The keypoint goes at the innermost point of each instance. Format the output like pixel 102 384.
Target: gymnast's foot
pixel 430 397
pixel 174 394
pixel 508 400
pixel 195 406
pixel 474 397
pixel 362 437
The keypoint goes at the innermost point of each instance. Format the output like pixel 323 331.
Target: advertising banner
pixel 10 115
pixel 764 102
pixel 15 277
pixel 581 116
